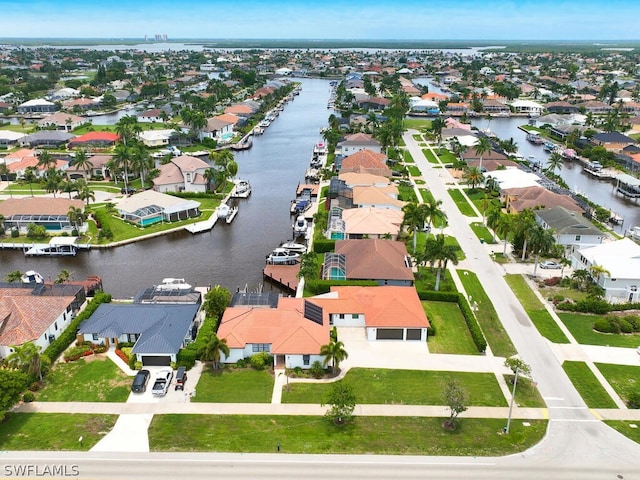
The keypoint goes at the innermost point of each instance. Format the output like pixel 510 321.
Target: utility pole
pixel 513 397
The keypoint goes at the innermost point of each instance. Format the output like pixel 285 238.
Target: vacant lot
pixel 230 385
pixel 452 334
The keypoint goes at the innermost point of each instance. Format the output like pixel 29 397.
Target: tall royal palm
pixel 122 159
pixel 439 254
pixel 482 147
pixel 414 218
pixel 540 242
pixel 140 161
pixel 554 162
pixel 82 161
pixel 433 212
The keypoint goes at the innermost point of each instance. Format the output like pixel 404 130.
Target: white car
pixel 162 382
pixel 550 265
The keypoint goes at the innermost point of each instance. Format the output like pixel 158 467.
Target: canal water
pixel 230 255
pixel 598 191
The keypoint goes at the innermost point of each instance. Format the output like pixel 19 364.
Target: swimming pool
pixel 145 222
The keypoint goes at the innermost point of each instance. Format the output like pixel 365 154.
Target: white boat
pixel 300 226
pixel 258 130
pixel 242 190
pixel 264 124
pixel 173 284
pixel 233 211
pixel 280 256
pixel 31 276
pixel 294 247
pixel 634 233
pixel 57 247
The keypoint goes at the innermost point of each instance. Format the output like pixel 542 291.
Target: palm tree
pixel 140 160
pixel 523 223
pixel 67 186
pixel 473 176
pixel 555 162
pixel 540 241
pixel 213 350
pixel 415 216
pixel 483 146
pixel 76 216
pixel 334 353
pixel 122 159
pixel 438 254
pixel 27 357
pixel 82 161
pixel 503 227
pixel 63 277
pixel 433 212
pixel 84 192
pixel 437 125
pixel 595 271
pixel 52 181
pixel 30 177
pixel 13 276
pixel 210 175
pixel 45 160
pixel 485 203
pixel 493 218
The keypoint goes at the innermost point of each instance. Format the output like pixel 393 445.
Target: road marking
pixel 595 414
pixel 569 408
pixel 553 398
pixel 572 420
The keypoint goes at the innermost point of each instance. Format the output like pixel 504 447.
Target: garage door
pixel 389 334
pixel 156 360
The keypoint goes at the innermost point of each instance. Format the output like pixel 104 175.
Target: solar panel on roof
pixel 313 312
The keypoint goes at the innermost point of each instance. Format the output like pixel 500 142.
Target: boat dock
pixel 57 246
pixel 203 226
pixel 284 276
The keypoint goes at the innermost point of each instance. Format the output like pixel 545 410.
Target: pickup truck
pixel 162 382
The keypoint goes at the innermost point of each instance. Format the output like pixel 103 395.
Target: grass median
pixel 463 205
pixel 316 435
pixel 588 386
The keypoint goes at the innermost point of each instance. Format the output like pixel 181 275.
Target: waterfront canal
pixel 230 255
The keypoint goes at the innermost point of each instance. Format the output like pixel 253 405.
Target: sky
pixel 324 19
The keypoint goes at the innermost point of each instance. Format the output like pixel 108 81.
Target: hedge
pixel 323 245
pixel 187 356
pixel 318 287
pixel 65 339
pixel 597 306
pixel 472 324
pixel 437 296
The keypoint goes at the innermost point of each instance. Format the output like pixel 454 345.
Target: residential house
pixel 158 330
pixel 38 105
pixel 596 107
pixel 495 107
pixel 61 121
pixel 10 138
pixel 570 229
pixel 182 174
pixel 527 106
pixel 155 115
pixel 34 314
pixel 219 129
pixel 52 213
pixel 562 107
pixel 620 260
pixel 47 138
pixel 365 161
pixel 379 197
pixel 536 197
pixel 99 168
pixel 612 141
pixel 156 138
pixel 358 141
pixel 94 139
pixel 372 222
pixel 384 261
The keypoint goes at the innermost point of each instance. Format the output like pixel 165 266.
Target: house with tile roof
pixel 384 261
pixel 29 314
pixel 535 197
pixel 379 197
pixel 158 331
pixel 365 161
pixel 37 105
pixel 47 138
pixel 182 174
pixel 100 168
pixel 621 261
pixel 61 121
pixel 154 115
pixel 295 330
pixel 218 129
pixel 372 222
pixel 94 139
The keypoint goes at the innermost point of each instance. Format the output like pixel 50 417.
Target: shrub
pixel 323 245
pixel 101 348
pixel 431 331
pixel 35 386
pixel 438 296
pixel 297 371
pixel 316 370
pixel 605 325
pixel 15 233
pixel 122 356
pixel 138 365
pixel 74 353
pixel 551 281
pixel 625 326
pixel 260 361
pixel 633 400
pixel 242 363
pixel 472 324
pixel 186 358
pixel 28 397
pixel 132 362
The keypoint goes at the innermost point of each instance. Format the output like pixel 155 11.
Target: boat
pixel 245 144
pixel 264 124
pixel 57 247
pixel 300 226
pixel 292 246
pixel 280 256
pixel 258 130
pixel 549 146
pixel 31 276
pixel 242 190
pixel 233 211
pixel 535 138
pixel 171 284
pixel 300 206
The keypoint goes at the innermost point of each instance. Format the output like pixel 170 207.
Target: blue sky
pixel 325 19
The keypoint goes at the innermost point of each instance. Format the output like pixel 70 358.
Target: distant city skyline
pixel 329 19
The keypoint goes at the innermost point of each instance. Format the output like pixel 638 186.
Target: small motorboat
pixel 300 226
pixel 31 276
pixel 294 247
pixel 242 190
pixel 280 256
pixel 173 284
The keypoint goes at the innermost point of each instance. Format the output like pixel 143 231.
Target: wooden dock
pixel 285 276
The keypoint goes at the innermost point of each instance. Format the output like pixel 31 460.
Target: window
pixel 341 316
pixel 261 347
pixel 55 325
pixel 355 316
pixel 95 337
pixel 306 359
pixel 578 237
pixel 132 337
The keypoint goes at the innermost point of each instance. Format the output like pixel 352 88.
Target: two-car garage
pixel 156 360
pixel 419 334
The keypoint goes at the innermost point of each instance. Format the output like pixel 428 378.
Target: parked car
pixel 550 265
pixel 140 381
pixel 181 378
pixel 163 380
pixel 127 191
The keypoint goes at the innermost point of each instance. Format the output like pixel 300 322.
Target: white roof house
pixel 148 207
pixel 527 106
pixel 621 260
pixel 155 138
pixel 514 178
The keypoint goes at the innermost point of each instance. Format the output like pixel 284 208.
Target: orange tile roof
pixel 38 206
pixel 364 158
pixel 25 317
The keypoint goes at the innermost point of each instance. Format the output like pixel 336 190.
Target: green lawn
pixel 477 197
pixel 430 156
pixel 482 232
pixel 98 380
pixel 411 387
pixel 230 385
pixel 462 203
pixel 416 123
pixel 527 395
pixel 494 332
pixel 426 280
pixel 316 435
pixel 624 379
pixel 452 334
pixel 406 157
pixel 590 389
pixel 539 315
pixel 414 171
pixel 624 427
pixel 447 157
pixel 53 431
pixel 406 193
pixel 581 327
